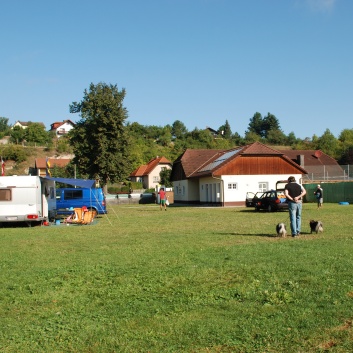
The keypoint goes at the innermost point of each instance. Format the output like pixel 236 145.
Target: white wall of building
pixel 186 190
pixel 228 188
pixel 236 186
pixel 154 176
pixel 64 129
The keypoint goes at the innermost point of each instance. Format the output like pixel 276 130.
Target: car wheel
pixel 269 208
pixel 257 209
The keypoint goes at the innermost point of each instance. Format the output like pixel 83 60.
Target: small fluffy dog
pixel 316 226
pixel 281 230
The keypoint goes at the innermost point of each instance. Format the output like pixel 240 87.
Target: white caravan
pixel 27 199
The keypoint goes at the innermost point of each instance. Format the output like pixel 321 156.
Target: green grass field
pixel 186 280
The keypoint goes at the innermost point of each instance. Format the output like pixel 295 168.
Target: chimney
pixel 300 160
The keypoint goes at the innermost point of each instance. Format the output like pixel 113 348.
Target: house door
pixel 218 192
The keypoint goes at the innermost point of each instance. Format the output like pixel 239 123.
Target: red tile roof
pixel 57 124
pixel 147 169
pixel 41 163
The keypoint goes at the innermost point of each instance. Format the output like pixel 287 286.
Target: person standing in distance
pixel 162 199
pixel 319 194
pixel 294 193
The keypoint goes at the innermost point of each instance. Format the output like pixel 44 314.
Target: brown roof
pixel 196 163
pixel 41 163
pixel 146 169
pixel 311 157
pixel 23 123
pixel 259 148
pixel 317 163
pixel 254 149
pixel 27 123
pixel 191 160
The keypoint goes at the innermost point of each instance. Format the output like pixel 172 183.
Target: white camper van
pixel 27 199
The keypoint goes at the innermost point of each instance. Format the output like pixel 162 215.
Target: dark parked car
pixel 271 201
pixel 251 197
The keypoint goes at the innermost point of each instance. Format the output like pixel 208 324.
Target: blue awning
pixel 76 182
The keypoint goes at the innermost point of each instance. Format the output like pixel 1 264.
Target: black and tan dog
pixel 281 230
pixel 316 226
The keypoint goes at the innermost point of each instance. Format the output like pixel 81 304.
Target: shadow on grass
pixel 251 210
pixel 266 235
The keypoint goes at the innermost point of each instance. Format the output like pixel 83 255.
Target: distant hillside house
pixel 40 167
pixel 148 174
pixel 214 133
pixel 62 128
pixel 24 124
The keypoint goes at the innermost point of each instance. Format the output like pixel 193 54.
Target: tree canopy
pixel 99 139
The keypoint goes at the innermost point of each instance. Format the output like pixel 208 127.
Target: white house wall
pixel 154 177
pixel 186 190
pixel 211 190
pixel 233 188
pixel 250 183
pixel 65 128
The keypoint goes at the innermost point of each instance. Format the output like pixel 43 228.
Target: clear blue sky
pixel 198 61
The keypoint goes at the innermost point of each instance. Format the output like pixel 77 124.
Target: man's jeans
pixel 295 216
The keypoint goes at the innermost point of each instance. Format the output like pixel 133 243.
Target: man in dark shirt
pixel 294 193
pixel 319 194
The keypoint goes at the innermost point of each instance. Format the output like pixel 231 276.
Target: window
pixel 73 194
pixel 5 194
pixel 263 186
pixel 156 179
pixel 232 186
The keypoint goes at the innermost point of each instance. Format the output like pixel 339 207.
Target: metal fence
pixel 333 192
pixel 330 173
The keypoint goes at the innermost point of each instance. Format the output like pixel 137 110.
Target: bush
pixel 118 189
pixel 135 185
pixel 15 153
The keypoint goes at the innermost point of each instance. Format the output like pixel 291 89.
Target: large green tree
pixel 256 125
pixel 99 139
pixel 36 133
pixel 17 134
pixel 327 143
pixel 179 130
pixel 270 123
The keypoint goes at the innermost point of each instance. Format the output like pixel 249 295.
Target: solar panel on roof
pixel 219 160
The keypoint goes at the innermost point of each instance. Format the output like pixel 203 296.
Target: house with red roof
pixel 223 177
pixel 62 128
pixel 40 167
pixel 148 174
